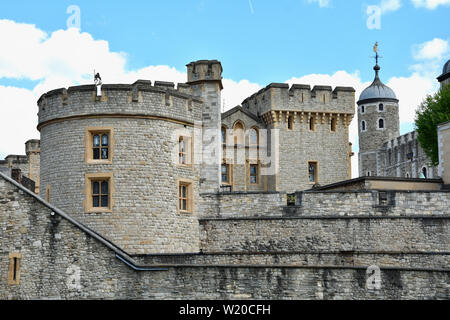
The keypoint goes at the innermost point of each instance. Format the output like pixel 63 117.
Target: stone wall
pixel 325 204
pixel 380 234
pixel 278 96
pixel 237 155
pixel 60 260
pixel 277 106
pixel 242 204
pixel 404 157
pixel 139 99
pixel 299 146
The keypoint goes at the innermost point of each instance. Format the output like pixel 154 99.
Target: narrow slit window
pixel 14 268
pixel 291 123
pixel 182 151
pixel 254 174
pixel 312 172
pixel 253 137
pixel 381 124
pixel 363 126
pixel 224 135
pixel 312 124
pixel 333 125
pixel 225 173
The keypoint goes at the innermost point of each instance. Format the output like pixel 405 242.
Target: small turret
pixel 205 79
pixel 378 121
pixel 204 70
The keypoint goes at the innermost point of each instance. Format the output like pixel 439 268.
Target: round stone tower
pixel 121 161
pixel 378 122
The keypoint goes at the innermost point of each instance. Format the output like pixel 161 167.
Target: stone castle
pixel 149 191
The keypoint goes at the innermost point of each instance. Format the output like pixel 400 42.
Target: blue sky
pixel 258 42
pixel 276 41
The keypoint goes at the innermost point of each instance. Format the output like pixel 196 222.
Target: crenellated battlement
pixel 301 98
pixel 162 99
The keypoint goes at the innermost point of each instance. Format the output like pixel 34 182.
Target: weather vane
pixel 375 49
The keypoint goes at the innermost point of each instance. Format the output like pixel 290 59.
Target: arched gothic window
pixel 254 137
pixel 238 133
pixel 224 135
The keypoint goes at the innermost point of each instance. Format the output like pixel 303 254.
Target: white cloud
pixel 322 3
pixel 390 5
pixel 430 4
pixel 18 114
pixel 411 91
pixel 66 58
pixel 433 49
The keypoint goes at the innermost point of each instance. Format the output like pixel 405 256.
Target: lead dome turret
pixel 377 91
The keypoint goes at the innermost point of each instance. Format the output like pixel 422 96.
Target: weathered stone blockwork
pixel 241 204
pixel 60 261
pixel 144 153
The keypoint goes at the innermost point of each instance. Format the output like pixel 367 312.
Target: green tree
pixel 432 112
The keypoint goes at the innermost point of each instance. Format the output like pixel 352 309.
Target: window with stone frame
pixel 14 268
pixel 185 196
pixel 381 107
pixel 226 174
pixel 363 125
pixel 99 190
pixel 184 150
pixel 254 173
pixel 239 131
pixel 224 135
pixel 99 145
pixel 100 193
pixel 380 123
pixel 313 173
pixel 254 137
